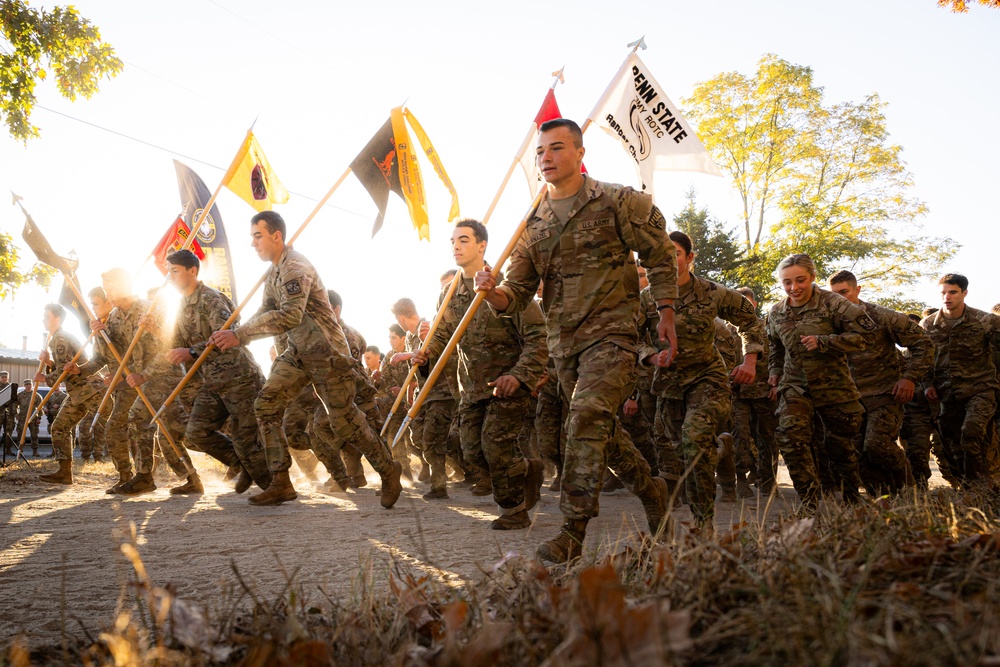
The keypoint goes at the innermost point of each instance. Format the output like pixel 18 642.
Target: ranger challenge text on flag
pixel 635 110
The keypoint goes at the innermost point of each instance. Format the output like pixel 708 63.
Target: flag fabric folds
pixel 217 266
pixel 635 110
pixel 177 234
pixel 388 163
pixel 67 299
pixel 43 251
pixel 251 178
pixel 548 111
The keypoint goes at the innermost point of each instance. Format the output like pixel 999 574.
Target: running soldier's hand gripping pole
pixel 236 313
pixel 31 406
pixel 467 319
pixel 62 376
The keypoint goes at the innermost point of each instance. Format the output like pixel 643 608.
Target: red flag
pixel 173 240
pixel 548 111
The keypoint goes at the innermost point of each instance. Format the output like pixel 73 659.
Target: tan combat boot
pixel 124 477
pixel 655 501
pixel 62 476
pixel 567 545
pixel 391 486
pixel 279 491
pixel 191 486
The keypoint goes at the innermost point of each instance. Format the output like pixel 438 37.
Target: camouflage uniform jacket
pixel 590 283
pixel 23 399
pixel 725 343
pixel 121 326
pixel 759 388
pixel 696 311
pixel 876 369
pixel 296 304
pixel 356 342
pixel 963 353
pixel 390 376
pixel 446 388
pixel 840 327
pixel 201 313
pixel 63 346
pixel 55 400
pixel 491 346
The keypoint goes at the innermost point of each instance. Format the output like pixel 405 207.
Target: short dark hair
pixel 748 293
pixel 184 258
pixel 929 311
pixel 844 277
pixel 335 300
pixel 573 128
pixel 373 349
pixel 404 308
pixel 478 229
pixel 913 317
pixel 398 330
pixel 98 293
pixel 448 275
pixel 56 310
pixel 955 279
pixel 272 220
pixel 683 240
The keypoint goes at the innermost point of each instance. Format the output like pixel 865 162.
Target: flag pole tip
pixel 638 44
pixel 559 74
pixel 16 199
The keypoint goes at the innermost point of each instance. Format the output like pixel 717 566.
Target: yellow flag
pixel 410 181
pixel 250 177
pixel 432 155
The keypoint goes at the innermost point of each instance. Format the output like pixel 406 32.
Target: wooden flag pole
pixel 62 376
pixel 232 318
pixel 31 402
pixel 139 391
pixel 141 329
pixel 467 319
pixel 558 77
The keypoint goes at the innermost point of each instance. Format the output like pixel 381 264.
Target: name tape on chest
pixel 538 236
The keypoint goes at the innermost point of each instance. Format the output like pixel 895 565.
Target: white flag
pixel 636 111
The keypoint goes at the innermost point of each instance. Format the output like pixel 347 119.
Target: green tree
pixel 718 250
pixel 11 277
pixel 34 41
pixel 815 178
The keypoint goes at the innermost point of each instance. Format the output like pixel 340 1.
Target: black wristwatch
pixel 191 351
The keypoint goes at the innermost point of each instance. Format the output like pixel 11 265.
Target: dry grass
pixel 911 581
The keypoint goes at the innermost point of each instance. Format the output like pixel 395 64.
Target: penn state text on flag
pixel 388 163
pixel 177 234
pixel 251 178
pixel 217 266
pixel 635 110
pixel 67 299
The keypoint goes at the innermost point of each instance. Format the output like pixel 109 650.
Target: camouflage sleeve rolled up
pixel 646 325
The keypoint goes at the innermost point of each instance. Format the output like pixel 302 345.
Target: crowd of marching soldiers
pixel 671 387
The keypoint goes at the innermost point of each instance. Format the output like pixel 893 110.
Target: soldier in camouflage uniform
pixel 390 379
pixel 120 327
pixel 296 304
pixel 876 371
pixel 810 334
pixel 696 388
pixel 430 429
pixel 754 421
pixel 499 360
pixel 24 397
pixel 964 379
pixel 579 240
pixel 226 384
pixel 57 396
pixel 8 418
pixel 84 393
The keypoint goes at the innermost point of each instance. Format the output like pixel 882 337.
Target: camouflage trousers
pixel 489 431
pixel 73 410
pixel 550 423
pixel 31 437
pixel 754 423
pixel 794 437
pixel 881 461
pixel 640 430
pixel 174 419
pixel 596 382
pixel 333 379
pixel 297 427
pixel 968 434
pixel 695 420
pixel 330 445
pixel 118 432
pixel 92 435
pixel 526 439
pixel 212 406
pixel 430 431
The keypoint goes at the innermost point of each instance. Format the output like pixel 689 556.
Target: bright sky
pixel 320 78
